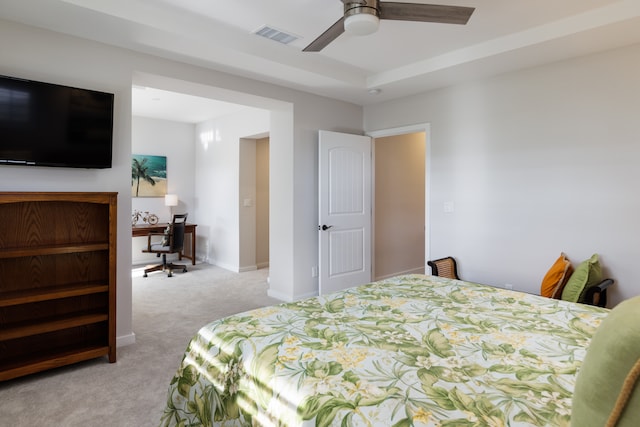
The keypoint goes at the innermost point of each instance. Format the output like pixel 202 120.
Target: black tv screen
pixel 44 124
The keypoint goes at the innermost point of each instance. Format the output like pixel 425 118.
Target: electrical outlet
pixel 314 271
pixel 508 286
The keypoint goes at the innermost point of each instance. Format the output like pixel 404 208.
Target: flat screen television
pixel 44 124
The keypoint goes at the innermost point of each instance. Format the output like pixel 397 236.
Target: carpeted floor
pixel 132 391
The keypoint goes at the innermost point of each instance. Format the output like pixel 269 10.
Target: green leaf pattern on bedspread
pixel 408 351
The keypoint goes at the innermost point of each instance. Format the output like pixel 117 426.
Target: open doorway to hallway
pixel 262 203
pixel 254 196
pixel 399 226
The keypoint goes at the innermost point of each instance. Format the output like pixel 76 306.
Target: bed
pixel 412 350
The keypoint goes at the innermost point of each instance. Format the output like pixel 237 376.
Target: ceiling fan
pixel 361 17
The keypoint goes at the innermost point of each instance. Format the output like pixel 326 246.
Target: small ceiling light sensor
pixel 374 91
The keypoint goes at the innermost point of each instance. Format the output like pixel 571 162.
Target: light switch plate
pixel 448 207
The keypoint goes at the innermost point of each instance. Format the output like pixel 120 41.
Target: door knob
pixel 324 227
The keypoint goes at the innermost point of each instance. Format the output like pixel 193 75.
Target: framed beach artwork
pixel 148 175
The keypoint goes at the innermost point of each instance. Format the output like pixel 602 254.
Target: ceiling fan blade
pixel 327 37
pixel 425 12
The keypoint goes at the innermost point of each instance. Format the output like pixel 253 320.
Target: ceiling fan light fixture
pixel 361 24
pixel 362 17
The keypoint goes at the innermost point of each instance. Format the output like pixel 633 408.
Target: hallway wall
pixel 399 226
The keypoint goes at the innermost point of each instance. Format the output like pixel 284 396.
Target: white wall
pixel 56 59
pixel 536 162
pixel 36 54
pixel 218 184
pixel 176 141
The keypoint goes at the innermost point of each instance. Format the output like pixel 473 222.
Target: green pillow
pixel 587 274
pixel 614 351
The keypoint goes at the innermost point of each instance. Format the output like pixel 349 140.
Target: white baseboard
pixel 233 268
pixel 236 269
pixel 307 295
pixel 417 270
pixel 125 340
pixel 288 298
pixel 279 295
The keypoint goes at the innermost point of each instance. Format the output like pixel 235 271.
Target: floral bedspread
pixel 408 351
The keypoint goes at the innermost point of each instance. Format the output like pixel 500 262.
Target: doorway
pixel 254 203
pixel 399 205
pixel 400 201
pixel 262 202
pixel 280 127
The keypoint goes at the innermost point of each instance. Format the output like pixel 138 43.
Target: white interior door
pixel 345 210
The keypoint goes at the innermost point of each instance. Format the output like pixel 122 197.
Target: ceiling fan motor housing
pixel 355 7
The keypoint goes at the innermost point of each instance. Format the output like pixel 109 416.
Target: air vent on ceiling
pixel 275 34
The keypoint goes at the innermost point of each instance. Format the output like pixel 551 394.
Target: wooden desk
pixel 143 229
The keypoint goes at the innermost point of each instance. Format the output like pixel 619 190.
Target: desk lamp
pixel 171 200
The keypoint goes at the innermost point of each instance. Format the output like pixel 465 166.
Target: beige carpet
pixel 132 391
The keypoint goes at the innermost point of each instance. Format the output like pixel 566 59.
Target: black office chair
pixel 444 267
pixel 172 242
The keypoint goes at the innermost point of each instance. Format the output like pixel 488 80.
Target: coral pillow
pixel 556 277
